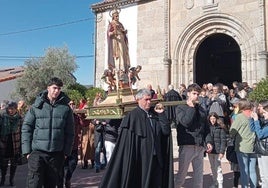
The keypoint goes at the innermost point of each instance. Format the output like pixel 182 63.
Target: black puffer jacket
pixel 111 130
pixel 218 136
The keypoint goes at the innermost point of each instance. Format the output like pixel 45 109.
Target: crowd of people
pixel 212 117
pixel 53 137
pixel 136 151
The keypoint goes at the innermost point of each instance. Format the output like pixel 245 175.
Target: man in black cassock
pixel 172 95
pixel 143 156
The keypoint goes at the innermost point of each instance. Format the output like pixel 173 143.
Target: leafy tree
pixel 82 89
pixel 57 62
pixel 91 93
pixel 74 95
pixel 260 92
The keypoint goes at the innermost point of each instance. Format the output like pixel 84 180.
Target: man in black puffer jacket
pixel 47 135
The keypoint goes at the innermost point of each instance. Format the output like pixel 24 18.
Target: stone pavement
pixel 87 178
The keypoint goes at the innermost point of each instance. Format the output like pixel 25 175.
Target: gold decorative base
pixel 121 96
pixel 114 106
pixel 117 104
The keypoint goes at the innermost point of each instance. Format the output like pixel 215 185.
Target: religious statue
pixel 118 53
pixel 133 74
pixel 109 78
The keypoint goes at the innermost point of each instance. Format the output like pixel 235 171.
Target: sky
pixel 29 27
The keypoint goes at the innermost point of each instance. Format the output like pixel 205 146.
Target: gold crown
pixel 114 11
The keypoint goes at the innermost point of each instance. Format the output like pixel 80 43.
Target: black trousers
pixel 4 166
pixel 70 164
pixel 44 169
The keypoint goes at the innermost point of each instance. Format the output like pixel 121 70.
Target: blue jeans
pixel 98 163
pixel 247 165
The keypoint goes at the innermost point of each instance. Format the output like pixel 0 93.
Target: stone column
pixel 262 61
pixel 167 59
pixel 167 72
pixel 262 65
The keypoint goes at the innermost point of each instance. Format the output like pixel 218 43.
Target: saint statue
pixel 118 54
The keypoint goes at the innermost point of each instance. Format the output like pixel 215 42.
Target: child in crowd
pixel 218 135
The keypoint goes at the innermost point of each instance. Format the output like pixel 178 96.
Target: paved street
pixel 83 178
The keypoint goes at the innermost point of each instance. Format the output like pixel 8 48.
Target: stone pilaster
pixel 167 59
pixel 262 64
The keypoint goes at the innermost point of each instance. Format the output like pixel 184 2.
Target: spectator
pixel 260 126
pixel 171 95
pixel 110 137
pixel 234 166
pixel 100 152
pixel 4 104
pixel 192 136
pixel 235 86
pixel 87 142
pixel 70 162
pixel 246 87
pixel 218 135
pixel 153 94
pixel 241 93
pixel 141 157
pixel 47 135
pixel 210 88
pixel 203 98
pixel 205 87
pixel 183 91
pixel 244 142
pixel 232 98
pixel 82 104
pixel 10 141
pixel 217 102
pixel 88 129
pixel 22 108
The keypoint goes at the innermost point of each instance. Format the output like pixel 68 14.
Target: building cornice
pixel 111 4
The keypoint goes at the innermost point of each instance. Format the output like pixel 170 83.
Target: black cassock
pixel 131 161
pixel 171 95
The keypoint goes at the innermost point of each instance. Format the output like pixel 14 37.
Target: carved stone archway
pixel 193 35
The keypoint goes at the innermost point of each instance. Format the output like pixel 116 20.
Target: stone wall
pixel 180 31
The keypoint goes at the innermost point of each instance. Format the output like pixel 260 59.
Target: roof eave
pixel 107 5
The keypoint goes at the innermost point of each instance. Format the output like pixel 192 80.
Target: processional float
pixel 119 76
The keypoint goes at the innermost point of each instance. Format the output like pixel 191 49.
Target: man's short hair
pixel 170 87
pixel 194 87
pixel 55 81
pixel 143 92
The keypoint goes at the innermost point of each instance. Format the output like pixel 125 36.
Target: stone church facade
pixel 186 41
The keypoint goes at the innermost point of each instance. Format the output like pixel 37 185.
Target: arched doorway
pixel 218 59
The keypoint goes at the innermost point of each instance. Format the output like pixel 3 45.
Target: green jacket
pixel 48 127
pixel 241 132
